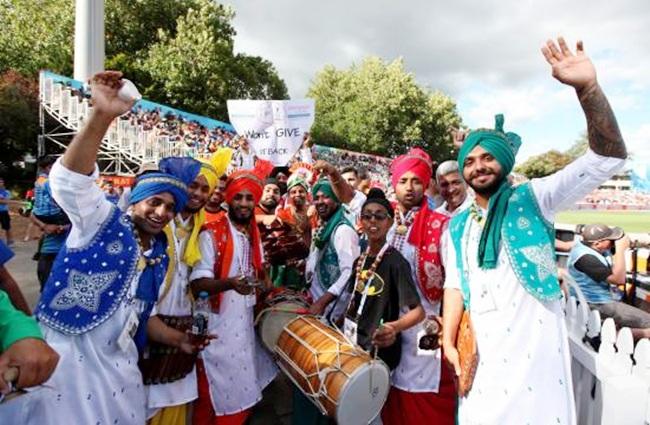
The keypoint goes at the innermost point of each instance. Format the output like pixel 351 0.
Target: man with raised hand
pixel 505 273
pixel 105 281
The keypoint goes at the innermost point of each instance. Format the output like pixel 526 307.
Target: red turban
pixel 251 180
pixel 417 161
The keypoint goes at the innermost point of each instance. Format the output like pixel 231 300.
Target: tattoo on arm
pixel 604 135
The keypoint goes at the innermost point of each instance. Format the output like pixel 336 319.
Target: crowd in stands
pixel 613 197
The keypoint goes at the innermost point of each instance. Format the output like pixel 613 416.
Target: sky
pixel 484 54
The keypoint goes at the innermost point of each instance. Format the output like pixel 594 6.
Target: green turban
pixel 324 185
pixel 297 180
pixel 503 147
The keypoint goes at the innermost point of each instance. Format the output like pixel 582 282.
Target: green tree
pixel 379 108
pixel 18 119
pixel 544 164
pixel 548 163
pixel 36 34
pixel 196 69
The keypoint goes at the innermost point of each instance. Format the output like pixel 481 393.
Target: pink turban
pixel 415 160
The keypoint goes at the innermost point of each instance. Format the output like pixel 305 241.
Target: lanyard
pixel 364 294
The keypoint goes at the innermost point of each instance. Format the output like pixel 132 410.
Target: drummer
pixel 382 285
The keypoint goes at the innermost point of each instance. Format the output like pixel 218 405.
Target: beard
pixel 269 204
pixel 488 189
pixel 193 210
pixel 239 218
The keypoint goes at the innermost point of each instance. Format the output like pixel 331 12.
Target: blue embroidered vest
pixel 528 240
pixel 88 284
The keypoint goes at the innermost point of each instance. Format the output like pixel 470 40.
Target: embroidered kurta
pixel 175 303
pixel 238 368
pixel 524 374
pixel 95 381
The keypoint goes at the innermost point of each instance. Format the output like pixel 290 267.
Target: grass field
pixel 630 221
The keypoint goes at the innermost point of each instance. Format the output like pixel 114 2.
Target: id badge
pixel 350 330
pixel 127 334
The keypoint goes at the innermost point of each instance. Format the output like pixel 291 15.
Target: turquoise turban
pixel 503 147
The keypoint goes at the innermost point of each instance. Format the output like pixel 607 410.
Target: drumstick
pixel 374 355
pixel 289 310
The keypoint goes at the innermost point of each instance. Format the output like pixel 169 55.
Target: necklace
pixel 363 276
pixel 182 230
pixel 143 260
pixel 403 223
pixel 477 214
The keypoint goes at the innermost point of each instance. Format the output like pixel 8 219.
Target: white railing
pixel 611 385
pixel 132 141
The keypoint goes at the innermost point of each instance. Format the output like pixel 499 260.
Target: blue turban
pixel 503 147
pixel 151 184
pixel 184 168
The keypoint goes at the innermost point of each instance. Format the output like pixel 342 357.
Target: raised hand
pixel 575 70
pixel 104 87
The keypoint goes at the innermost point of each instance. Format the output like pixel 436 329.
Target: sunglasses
pixel 377 216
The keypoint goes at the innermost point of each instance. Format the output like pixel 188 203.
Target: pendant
pixel 401 230
pixel 360 286
pixel 142 263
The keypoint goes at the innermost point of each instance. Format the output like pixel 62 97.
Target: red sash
pixel 224 248
pixel 425 236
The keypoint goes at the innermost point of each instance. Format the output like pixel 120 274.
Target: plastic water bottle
pixel 200 318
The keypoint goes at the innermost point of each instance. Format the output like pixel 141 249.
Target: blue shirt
pixel 4 194
pixel 44 204
pixel 6 253
pixel 52 244
pixel 594 291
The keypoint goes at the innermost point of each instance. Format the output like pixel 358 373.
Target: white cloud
pixel 638 141
pixel 486 55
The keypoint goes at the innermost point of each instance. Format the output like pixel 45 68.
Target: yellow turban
pixel 212 169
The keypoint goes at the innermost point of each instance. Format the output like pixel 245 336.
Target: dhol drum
pixel 276 313
pixel 340 378
pixel 162 364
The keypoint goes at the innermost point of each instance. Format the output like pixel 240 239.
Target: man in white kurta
pixel 168 401
pixel 523 374
pixel 524 371
pixel 174 301
pixel 237 367
pixel 335 247
pixel 114 390
pixel 98 380
pixel 422 390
